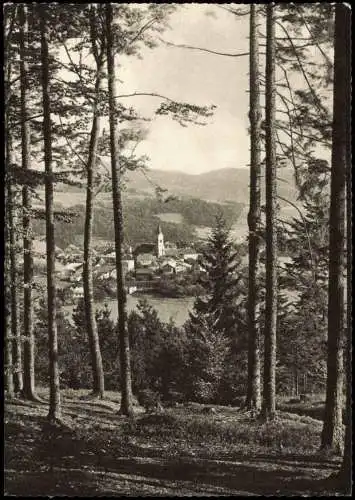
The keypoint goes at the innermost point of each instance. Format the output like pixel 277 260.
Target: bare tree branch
pixel 16 124
pixel 74 67
pixel 315 97
pixel 236 12
pixel 307 233
pixel 70 146
pixel 140 32
pixel 326 57
pixel 151 94
pixel 183 46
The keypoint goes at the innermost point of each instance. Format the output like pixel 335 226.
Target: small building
pixel 189 253
pixel 78 292
pixel 105 272
pixel 144 248
pixel 171 252
pixel 110 257
pixel 169 268
pixel 165 260
pixel 71 270
pixel 146 259
pixel 131 289
pixel 72 266
pixel 144 274
pixel 182 267
pixel 128 265
pixel 170 245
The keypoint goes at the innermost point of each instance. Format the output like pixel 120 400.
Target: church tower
pixel 160 242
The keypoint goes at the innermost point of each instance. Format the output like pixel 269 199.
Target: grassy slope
pixel 181 451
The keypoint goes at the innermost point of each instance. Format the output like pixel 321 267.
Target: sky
pixel 198 78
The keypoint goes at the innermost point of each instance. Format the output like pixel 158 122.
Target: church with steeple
pixel 160 242
pixel 146 253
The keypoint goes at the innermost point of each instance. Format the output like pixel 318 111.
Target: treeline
pixel 140 220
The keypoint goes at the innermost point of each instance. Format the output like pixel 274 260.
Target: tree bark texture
pixel 253 400
pixel 9 376
pixel 126 384
pixel 9 340
pixel 14 266
pixel 269 385
pixel 93 336
pixel 332 428
pixel 344 19
pixel 54 386
pixel 29 343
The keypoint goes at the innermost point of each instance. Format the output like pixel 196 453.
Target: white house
pixel 189 253
pixel 182 267
pixel 78 292
pixel 146 259
pixel 128 265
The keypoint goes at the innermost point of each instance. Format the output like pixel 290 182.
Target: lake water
pixel 177 309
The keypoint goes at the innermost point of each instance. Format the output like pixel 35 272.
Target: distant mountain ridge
pixel 222 185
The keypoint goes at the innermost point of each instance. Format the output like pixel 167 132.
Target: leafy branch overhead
pixel 185 113
pixel 66 216
pixel 36 178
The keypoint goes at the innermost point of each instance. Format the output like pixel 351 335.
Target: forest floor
pixel 180 451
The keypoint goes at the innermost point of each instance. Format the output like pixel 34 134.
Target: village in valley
pixel 144 266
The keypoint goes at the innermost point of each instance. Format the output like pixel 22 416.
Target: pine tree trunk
pixel 9 378
pixel 126 384
pixel 54 387
pixel 296 382
pixel 14 266
pixel 343 23
pixel 9 368
pixel 253 400
pixel 93 336
pixel 346 468
pixel 28 346
pixel 332 427
pixel 269 386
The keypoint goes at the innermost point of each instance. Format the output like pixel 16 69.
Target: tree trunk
pixel 93 336
pixel 54 388
pixel 126 384
pixel 28 346
pixel 14 266
pixel 269 386
pixel 296 382
pixel 343 20
pixel 9 377
pixel 9 340
pixel 332 427
pixel 253 400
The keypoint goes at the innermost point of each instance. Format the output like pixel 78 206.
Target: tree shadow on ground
pixel 46 463
pixel 199 476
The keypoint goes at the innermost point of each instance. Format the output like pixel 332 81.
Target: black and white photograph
pixel 177 253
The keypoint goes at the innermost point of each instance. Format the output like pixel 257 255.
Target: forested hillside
pixel 141 219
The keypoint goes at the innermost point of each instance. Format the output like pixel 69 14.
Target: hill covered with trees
pixel 141 218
